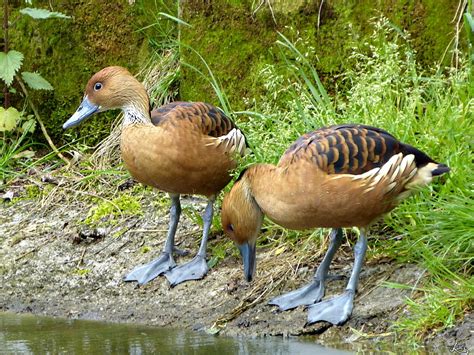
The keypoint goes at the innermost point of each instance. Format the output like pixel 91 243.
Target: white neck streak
pixel 134 114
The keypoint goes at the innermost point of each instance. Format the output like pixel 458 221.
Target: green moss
pixel 108 212
pixel 145 249
pixel 82 272
pixel 68 52
pixel 32 191
pixel 236 42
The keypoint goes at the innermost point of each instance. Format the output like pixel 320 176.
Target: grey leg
pixel 314 291
pixel 337 310
pixel 145 273
pixel 197 268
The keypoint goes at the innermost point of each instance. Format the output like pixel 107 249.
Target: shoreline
pixel 52 267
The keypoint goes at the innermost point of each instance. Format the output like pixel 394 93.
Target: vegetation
pixel 274 101
pixel 110 212
pixel 16 124
pixel 238 38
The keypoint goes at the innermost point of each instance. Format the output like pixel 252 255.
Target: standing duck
pixel 179 148
pixel 334 177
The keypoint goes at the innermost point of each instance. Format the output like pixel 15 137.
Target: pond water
pixel 29 334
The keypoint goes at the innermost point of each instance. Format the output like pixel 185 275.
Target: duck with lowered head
pixel 179 148
pixel 334 177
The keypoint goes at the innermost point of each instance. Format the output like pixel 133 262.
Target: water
pixel 29 334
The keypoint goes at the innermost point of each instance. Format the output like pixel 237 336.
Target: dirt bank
pixel 52 264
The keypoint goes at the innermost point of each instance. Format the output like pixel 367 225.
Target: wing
pixel 209 119
pixel 349 149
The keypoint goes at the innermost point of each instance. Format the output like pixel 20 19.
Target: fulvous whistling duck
pixel 179 148
pixel 334 177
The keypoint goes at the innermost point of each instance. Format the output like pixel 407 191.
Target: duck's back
pixel 341 176
pixel 349 149
pixel 204 118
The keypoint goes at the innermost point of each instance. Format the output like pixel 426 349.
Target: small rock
pixel 8 195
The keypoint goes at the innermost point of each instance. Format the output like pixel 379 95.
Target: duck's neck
pixel 136 114
pixel 259 176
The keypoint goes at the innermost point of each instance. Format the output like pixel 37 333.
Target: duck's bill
pixel 247 251
pixel 85 110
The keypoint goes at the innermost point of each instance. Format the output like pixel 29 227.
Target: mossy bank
pixel 238 38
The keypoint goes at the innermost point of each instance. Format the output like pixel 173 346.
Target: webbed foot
pixel 145 273
pixel 335 310
pixel 194 270
pixel 305 295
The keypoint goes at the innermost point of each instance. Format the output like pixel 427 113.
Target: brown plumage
pixel 177 156
pixel 339 176
pixel 180 148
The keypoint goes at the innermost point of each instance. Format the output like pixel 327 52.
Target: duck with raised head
pixel 335 177
pixel 179 148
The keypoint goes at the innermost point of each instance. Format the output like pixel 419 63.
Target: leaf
pixel 213 330
pixel 29 126
pixel 9 65
pixel 178 20
pixel 36 81
pixel 8 118
pixel 42 14
pixel 469 26
pixel 280 250
pixel 28 154
pixel 212 262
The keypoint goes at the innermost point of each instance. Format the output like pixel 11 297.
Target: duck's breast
pixel 175 160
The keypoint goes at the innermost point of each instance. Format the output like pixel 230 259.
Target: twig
pixel 319 14
pixel 150 230
pixel 40 121
pixel 35 249
pixel 115 240
pixel 81 259
pixel 250 300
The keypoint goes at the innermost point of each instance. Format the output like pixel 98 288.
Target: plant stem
pixel 40 121
pixel 6 93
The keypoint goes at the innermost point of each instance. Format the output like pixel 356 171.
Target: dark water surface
pixel 30 334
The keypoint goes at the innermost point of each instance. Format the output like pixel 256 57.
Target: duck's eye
pixel 97 86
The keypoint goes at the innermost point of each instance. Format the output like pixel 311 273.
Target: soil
pixel 51 264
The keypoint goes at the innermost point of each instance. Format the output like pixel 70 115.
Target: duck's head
pixel 241 220
pixel 110 88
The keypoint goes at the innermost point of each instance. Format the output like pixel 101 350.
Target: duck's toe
pixel 335 310
pixel 305 295
pixel 194 270
pixel 145 273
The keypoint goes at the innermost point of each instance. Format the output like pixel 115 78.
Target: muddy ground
pixel 52 264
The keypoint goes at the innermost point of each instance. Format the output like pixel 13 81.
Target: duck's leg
pixel 145 273
pixel 197 268
pixel 314 291
pixel 338 309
